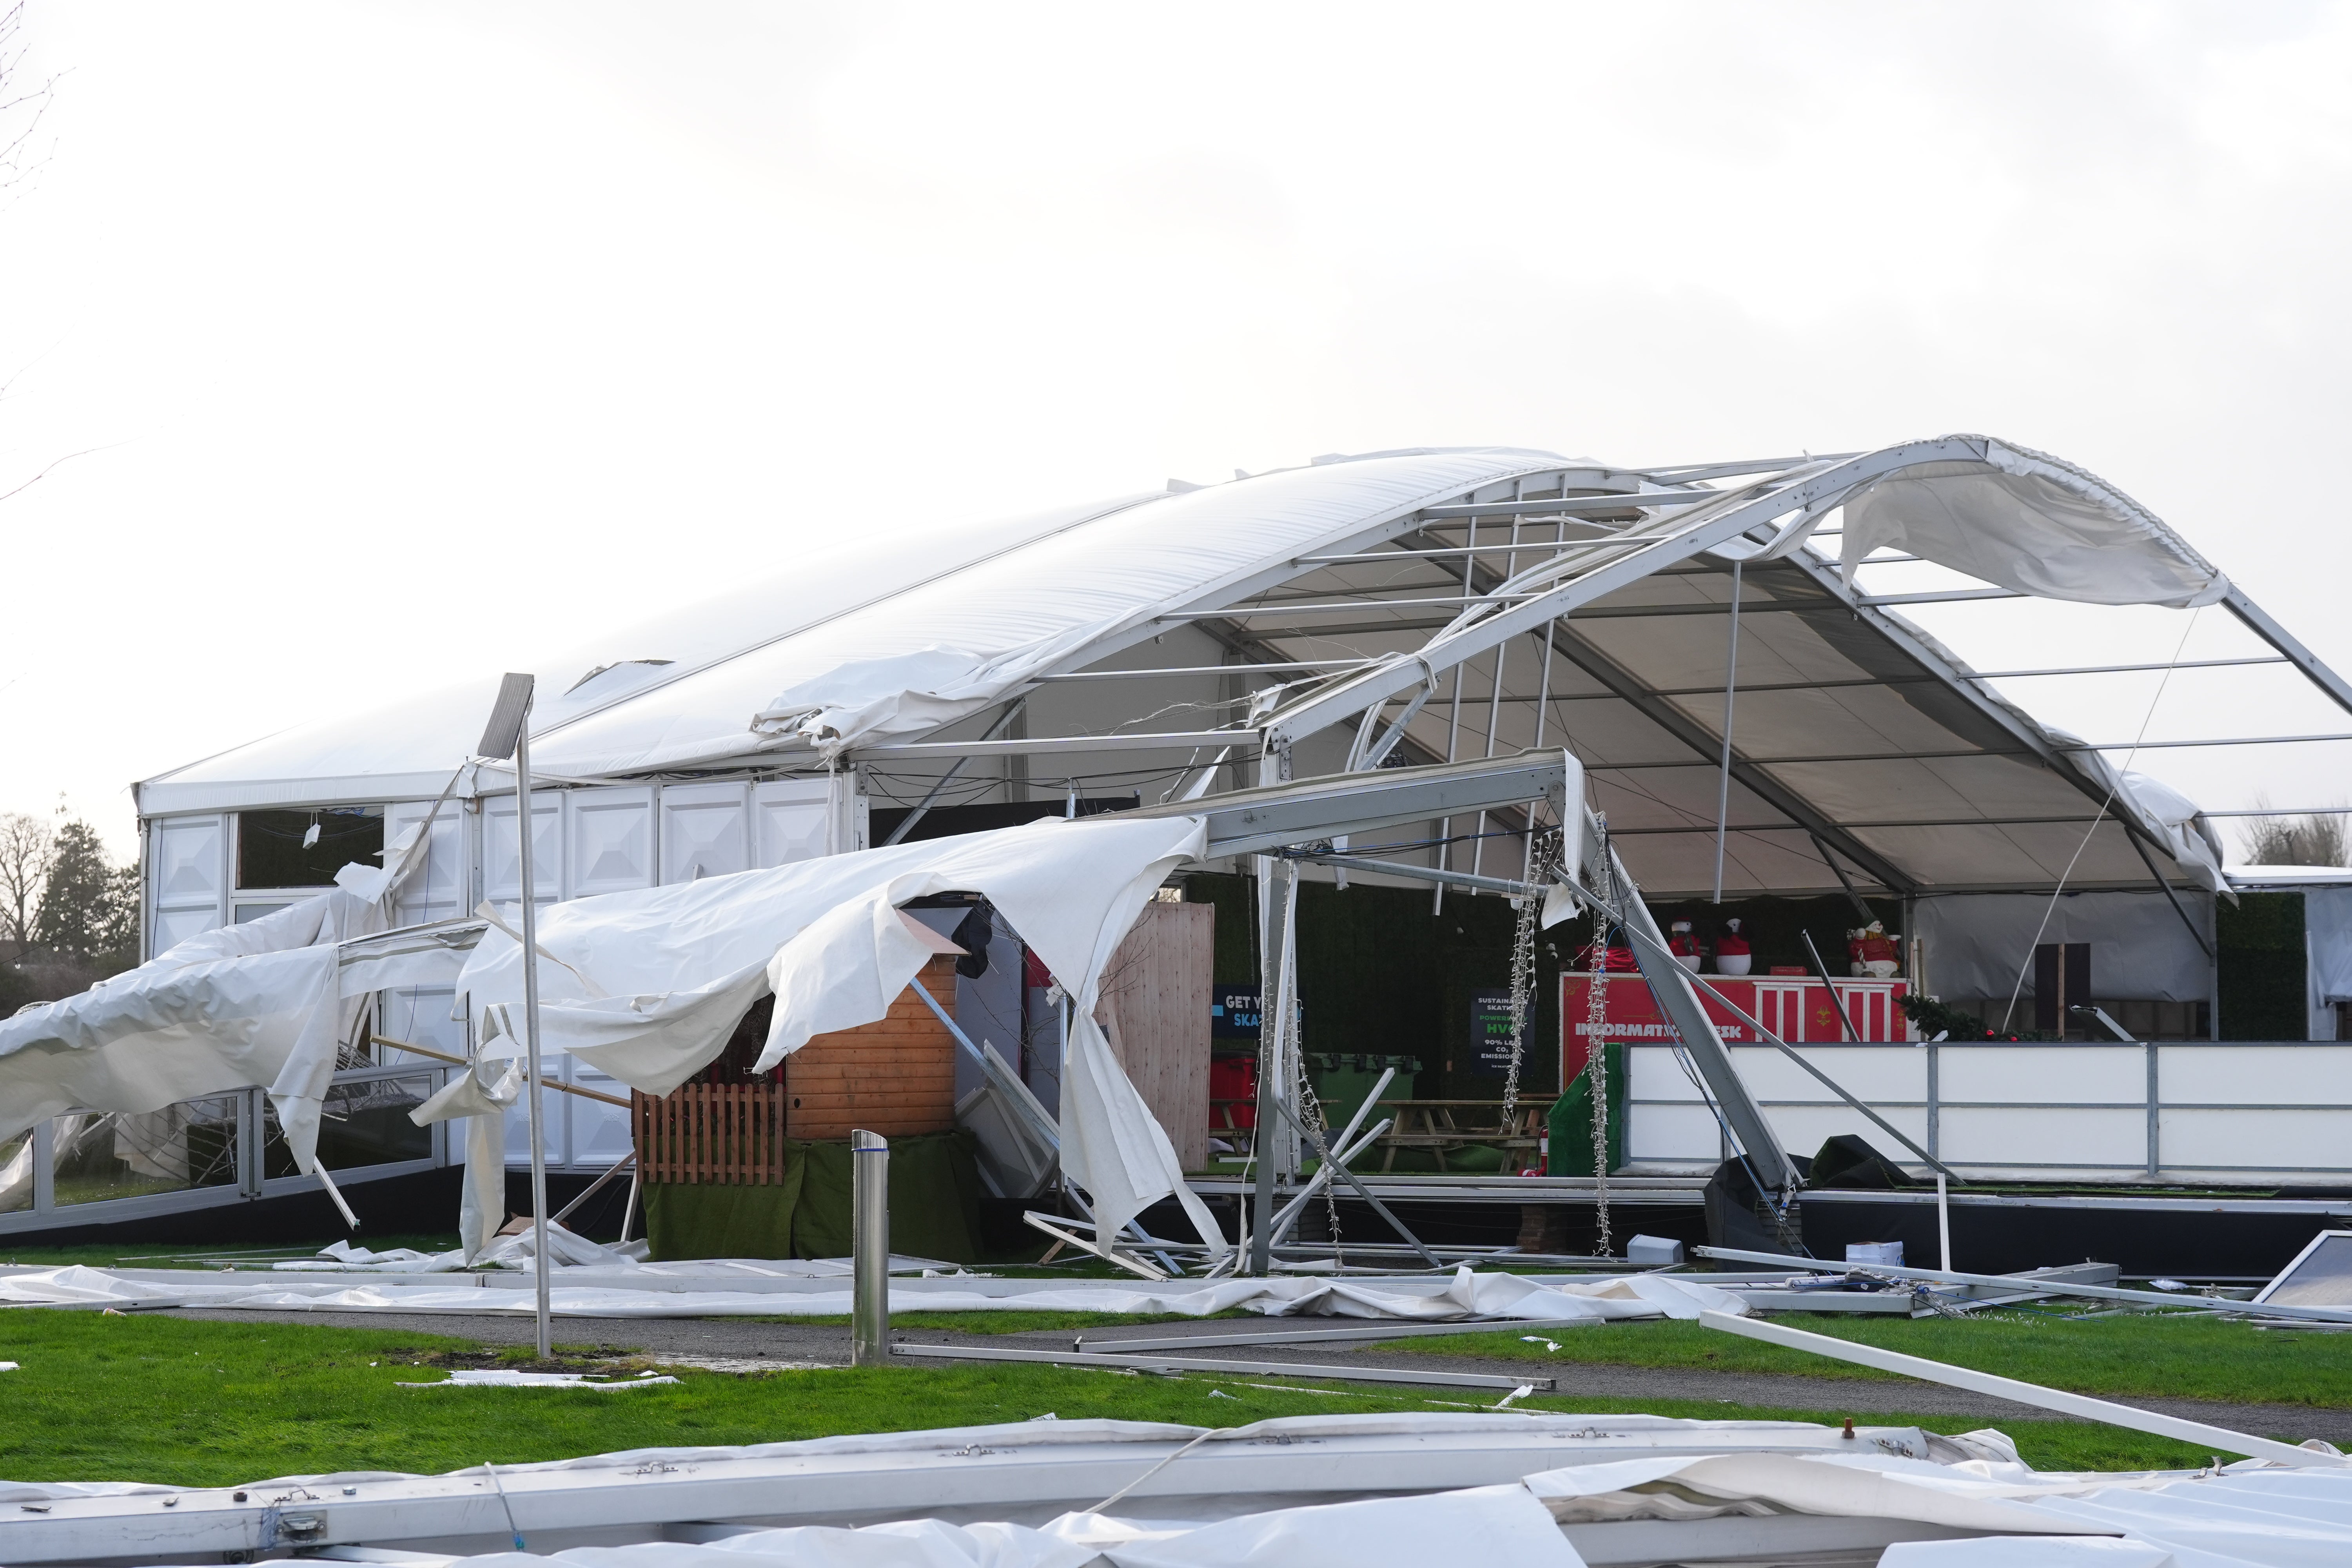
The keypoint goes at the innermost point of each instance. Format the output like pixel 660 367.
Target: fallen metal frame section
pixel 2024 1284
pixel 2079 1406
pixel 1017 1470
pixel 1180 1364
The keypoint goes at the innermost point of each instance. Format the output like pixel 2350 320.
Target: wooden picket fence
pixel 716 1134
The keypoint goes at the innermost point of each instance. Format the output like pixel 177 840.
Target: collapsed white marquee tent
pixel 1750 713
pixel 1499 598
pixel 646 986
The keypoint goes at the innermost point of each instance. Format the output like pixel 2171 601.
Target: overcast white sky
pixel 376 308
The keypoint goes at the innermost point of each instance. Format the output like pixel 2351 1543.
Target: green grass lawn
pixel 2175 1356
pixel 154 1398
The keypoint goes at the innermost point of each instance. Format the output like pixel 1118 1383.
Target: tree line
pixel 69 914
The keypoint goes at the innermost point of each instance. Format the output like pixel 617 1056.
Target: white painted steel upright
pixel 508 735
pixel 870 1217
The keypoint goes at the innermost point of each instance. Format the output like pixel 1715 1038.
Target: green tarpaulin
pixel 1572 1119
pixel 934 1207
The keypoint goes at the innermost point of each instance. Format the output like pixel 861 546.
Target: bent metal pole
pixel 508 735
pixel 869 1217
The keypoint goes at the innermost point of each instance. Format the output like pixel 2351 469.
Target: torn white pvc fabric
pixel 263 1003
pixel 2240 1518
pixel 648 984
pixel 2032 523
pixel 500 1377
pixel 1505 1297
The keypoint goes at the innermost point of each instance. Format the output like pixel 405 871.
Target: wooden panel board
pixel 726 1135
pixel 895 1077
pixel 1155 1009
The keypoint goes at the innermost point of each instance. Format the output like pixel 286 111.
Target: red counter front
pixel 1799 1011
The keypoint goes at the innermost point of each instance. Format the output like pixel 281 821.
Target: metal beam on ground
pixel 1257 1368
pixel 2050 1287
pixel 2029 1393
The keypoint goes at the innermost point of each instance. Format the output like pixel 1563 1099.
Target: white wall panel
pixel 501 862
pixel 174 927
pixel 1653 1072
pixel 611 835
pixel 2013 1136
pixel 1672 1135
pixel 554 1111
pixel 1869 1073
pixel 2001 1074
pixel 2255 1140
pixel 437 890
pixel 789 819
pixel 2255 1075
pixel 600 1132
pixel 1805 1127
pixel 422 1014
pixel 706 831
pixel 189 858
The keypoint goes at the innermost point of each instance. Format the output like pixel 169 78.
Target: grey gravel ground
pixel 739 1339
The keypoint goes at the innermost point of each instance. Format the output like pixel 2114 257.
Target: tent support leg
pixel 1723 783
pixel 2170 897
pixel 1278 900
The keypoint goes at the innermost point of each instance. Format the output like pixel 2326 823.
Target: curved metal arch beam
pixel 1702 529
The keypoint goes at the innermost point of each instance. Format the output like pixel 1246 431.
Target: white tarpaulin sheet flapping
pixel 647 985
pixel 263 1003
pixel 1464 1296
pixel 2032 522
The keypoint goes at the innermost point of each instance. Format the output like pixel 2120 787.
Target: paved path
pixel 736 1339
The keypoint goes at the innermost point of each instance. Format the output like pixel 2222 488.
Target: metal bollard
pixel 870 1223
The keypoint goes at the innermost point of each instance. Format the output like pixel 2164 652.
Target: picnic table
pixel 1441 1124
